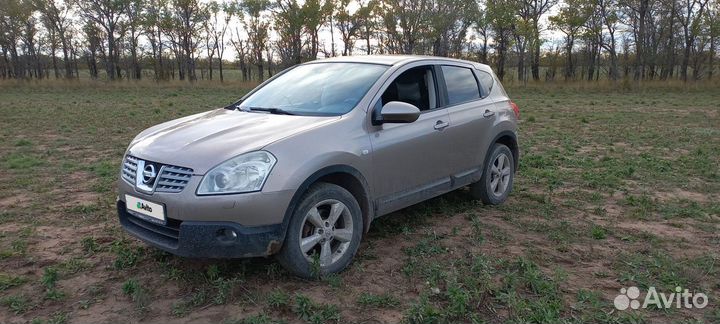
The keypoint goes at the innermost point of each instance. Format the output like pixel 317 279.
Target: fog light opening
pixel 226 235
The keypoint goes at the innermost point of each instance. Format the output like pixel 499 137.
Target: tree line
pixel 188 39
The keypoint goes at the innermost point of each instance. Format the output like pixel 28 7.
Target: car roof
pixel 396 60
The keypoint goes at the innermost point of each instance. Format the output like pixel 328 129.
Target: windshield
pixel 316 89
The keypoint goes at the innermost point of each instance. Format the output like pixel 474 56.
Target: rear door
pixel 472 115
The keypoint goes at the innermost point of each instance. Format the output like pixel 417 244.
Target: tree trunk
pixel 261 72
pixel 521 46
pixel 346 41
pixel 591 63
pixel 220 68
pixel 521 66
pixel 210 67
pixel 189 61
pixel 712 57
pixel 160 57
pixel 66 58
pixel 367 40
pixel 136 71
pixel 640 41
pixel 686 60
pixel 484 53
pixel 332 38
pixel 599 55
pixel 535 64
pixel 569 68
pixel 243 69
pixel 502 45
pixel 92 65
pixel 613 71
pixel 75 64
pixel 53 50
pixel 16 67
pixel 110 64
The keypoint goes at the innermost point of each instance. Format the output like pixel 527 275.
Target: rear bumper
pixel 203 239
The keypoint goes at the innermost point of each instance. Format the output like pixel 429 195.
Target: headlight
pixel 243 173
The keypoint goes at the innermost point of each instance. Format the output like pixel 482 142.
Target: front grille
pixel 129 169
pixel 172 178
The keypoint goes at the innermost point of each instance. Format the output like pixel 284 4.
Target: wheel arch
pixel 344 176
pixel 509 139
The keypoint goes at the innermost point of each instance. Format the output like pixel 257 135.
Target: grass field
pixel 616 188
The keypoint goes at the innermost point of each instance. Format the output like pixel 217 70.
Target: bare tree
pixel 289 22
pixel 242 51
pixel 638 12
pixel 404 21
pixel 229 11
pixel 107 14
pixel 28 35
pixel 93 38
pixel 13 15
pixel 349 24
pixel 189 14
pixel 607 10
pixel 211 27
pixel 134 11
pixel 56 17
pixel 690 15
pixel 592 36
pixel 152 22
pixel 315 15
pixel 501 17
pixel 534 10
pixel 482 27
pixel 713 23
pixel 449 22
pixel 257 28
pixel 569 21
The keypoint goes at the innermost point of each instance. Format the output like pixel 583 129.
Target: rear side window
pixel 486 82
pixel 461 84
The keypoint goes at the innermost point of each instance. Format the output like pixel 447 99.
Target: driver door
pixel 410 160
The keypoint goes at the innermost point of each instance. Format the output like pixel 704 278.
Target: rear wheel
pixel 497 178
pixel 324 232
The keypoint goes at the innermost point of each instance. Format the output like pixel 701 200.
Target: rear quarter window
pixel 486 82
pixel 460 83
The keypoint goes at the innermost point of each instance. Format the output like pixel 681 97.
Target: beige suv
pixel 300 166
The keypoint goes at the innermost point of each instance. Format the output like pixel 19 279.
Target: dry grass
pixel 617 187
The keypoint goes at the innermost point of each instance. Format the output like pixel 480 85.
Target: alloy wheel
pixel 500 174
pixel 326 232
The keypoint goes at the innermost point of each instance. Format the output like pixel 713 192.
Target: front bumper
pixel 204 239
pixel 247 209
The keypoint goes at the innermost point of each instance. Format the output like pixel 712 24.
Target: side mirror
pixel 397 112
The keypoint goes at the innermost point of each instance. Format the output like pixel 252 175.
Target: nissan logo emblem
pixel 149 174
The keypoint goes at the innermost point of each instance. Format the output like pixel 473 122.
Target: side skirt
pixel 399 200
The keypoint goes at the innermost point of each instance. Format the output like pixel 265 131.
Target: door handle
pixel 440 125
pixel 488 113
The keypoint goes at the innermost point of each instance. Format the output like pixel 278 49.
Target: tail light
pixel 516 110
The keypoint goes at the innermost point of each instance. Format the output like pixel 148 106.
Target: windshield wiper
pixel 276 111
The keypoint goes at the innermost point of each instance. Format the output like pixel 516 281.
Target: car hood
pixel 204 140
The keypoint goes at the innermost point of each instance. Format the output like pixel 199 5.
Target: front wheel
pixel 324 232
pixel 497 178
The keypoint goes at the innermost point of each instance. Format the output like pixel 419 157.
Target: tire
pixel 486 189
pixel 312 246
